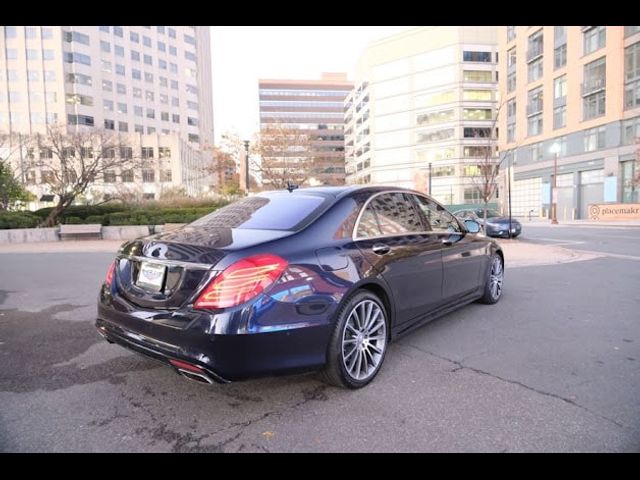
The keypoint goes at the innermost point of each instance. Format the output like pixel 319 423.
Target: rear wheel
pixel 359 342
pixel 494 280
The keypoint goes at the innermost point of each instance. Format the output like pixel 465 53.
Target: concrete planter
pixel 29 235
pixel 124 232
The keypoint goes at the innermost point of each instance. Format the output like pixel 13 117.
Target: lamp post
pixel 430 179
pixel 246 164
pixel 555 149
pixel 509 190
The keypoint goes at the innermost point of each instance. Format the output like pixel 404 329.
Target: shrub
pixel 72 220
pixel 18 220
pixel 101 219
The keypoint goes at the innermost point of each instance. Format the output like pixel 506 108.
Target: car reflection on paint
pixel 496 225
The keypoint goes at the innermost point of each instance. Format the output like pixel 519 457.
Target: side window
pixel 368 225
pixel 389 214
pixel 437 217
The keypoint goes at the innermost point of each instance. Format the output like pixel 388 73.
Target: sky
pixel 242 55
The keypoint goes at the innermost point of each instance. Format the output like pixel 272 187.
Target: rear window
pixel 273 212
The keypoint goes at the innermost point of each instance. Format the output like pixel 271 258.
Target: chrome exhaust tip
pixel 196 377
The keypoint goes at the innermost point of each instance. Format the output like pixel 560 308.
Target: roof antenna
pixel 291 186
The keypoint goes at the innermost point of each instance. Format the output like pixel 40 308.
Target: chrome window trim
pixel 355 238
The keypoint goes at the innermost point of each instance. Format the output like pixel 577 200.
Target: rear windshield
pixel 270 212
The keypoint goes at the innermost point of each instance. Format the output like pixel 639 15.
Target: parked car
pixel 285 282
pixel 496 225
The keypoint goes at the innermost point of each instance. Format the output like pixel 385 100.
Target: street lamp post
pixel 246 164
pixel 509 189
pixel 555 149
pixel 430 179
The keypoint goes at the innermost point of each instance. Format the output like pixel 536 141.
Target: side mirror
pixel 472 226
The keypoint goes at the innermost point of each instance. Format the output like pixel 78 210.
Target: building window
pixel 119 69
pixel 536 152
pixel 160 29
pixel 134 37
pixel 107 105
pixel 189 39
pixel 560 56
pixel 164 152
pixel 173 50
pixel 122 108
pixel 148 77
pixel 534 70
pixel 534 125
pixel 632 76
pixel 104 28
pixel 151 130
pixel 511 108
pixel 435 117
pixel 535 46
pixel 477 114
pixel 480 76
pixel 137 111
pixel 136 74
pixel 165 175
pixel 162 46
pixel 138 128
pixel 477 132
pixel 511 132
pixel 175 118
pixel 75 57
pixel 149 96
pixel 511 33
pixel 121 89
pixel 472 56
pixel 511 58
pixel 126 152
pixel 560 89
pixel 560 117
pixel 174 84
pixel 105 46
pixel 593 89
pixel 127 176
pixel 76 37
pixel 109 124
pixel 511 82
pixel 472 95
pixel 109 176
pixel 77 99
pixel 146 152
pixel 80 120
pixel 106 66
pixel 172 32
pixel 594 139
pixel 559 32
pixel 123 126
pixel 146 41
pixel 148 176
pixel 628 31
pixel 595 38
pixel 194 138
pixel 147 59
pixel 118 32
pixel 163 82
pixel 135 56
pixel 192 121
pixel 151 113
pixel 47 33
pixel 118 50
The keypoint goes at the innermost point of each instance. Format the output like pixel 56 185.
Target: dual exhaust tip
pixel 192 372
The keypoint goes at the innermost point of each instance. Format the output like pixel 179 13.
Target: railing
pixel 534 108
pixel 593 86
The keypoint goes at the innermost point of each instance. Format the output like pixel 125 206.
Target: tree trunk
pixel 52 219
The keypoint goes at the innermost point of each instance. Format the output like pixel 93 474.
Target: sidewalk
pixel 545 222
pixel 69 246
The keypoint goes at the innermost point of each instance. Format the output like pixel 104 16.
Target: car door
pixel 393 238
pixel 463 254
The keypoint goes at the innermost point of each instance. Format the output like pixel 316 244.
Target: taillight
pixel 241 281
pixel 109 278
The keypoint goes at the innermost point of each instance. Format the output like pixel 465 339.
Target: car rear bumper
pixel 220 357
pixel 503 231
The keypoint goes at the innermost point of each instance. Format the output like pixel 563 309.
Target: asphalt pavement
pixel 554 366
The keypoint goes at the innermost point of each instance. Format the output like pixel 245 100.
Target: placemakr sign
pixel 614 211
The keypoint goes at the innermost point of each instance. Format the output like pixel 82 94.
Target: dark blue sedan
pixel 496 225
pixel 287 282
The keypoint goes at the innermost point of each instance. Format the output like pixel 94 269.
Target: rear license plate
pixel 151 276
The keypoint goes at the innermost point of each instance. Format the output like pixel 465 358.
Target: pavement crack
pixel 460 366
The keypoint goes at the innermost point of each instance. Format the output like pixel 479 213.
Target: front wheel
pixel 494 280
pixel 359 342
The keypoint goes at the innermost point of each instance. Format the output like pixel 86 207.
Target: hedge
pixel 18 220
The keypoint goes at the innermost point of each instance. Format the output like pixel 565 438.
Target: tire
pixel 494 280
pixel 345 365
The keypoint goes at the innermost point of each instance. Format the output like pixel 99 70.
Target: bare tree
pixel 286 156
pixel 71 161
pixel 485 178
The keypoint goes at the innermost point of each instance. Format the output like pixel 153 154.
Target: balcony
pixel 534 52
pixel 534 108
pixel 593 85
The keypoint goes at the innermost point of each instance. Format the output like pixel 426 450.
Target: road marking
pixel 607 254
pixel 559 241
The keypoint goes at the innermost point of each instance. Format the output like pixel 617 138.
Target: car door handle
pixel 381 248
pixel 446 242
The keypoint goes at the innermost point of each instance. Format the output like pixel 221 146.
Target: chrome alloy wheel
pixel 364 340
pixel 496 278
